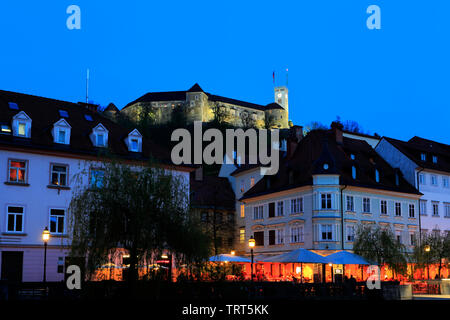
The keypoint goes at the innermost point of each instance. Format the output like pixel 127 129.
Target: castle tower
pixel 281 97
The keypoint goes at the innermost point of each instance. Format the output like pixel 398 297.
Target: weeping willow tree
pixel 142 209
pixel 379 245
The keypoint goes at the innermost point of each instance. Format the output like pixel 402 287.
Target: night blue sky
pixel 394 81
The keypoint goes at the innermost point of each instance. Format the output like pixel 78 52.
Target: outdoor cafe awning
pixel 345 257
pixel 228 258
pixel 296 256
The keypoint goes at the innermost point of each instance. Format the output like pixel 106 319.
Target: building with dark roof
pixel 48 149
pixel 425 164
pixel 213 204
pixel 326 187
pixel 198 105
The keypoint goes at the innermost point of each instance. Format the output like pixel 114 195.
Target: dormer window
pixel 100 140
pixel 21 124
pixel 99 136
pixel 423 157
pixel 22 129
pixel 134 141
pixel 61 132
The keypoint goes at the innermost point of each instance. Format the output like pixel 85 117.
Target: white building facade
pixel 43 161
pixel 424 164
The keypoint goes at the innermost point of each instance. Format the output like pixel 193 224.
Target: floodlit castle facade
pixel 198 105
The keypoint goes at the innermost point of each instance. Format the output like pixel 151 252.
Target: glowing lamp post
pixel 331 267
pixel 45 238
pixel 251 244
pixel 427 249
pixel 232 252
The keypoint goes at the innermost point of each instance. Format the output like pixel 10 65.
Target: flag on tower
pixel 273 76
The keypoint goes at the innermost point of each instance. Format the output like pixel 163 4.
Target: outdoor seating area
pixel 307 266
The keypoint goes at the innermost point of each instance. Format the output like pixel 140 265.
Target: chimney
pixel 198 175
pixel 90 106
pixel 336 128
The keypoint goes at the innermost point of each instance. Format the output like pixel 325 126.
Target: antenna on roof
pixel 87 85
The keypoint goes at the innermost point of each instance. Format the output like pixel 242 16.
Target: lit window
pixel 5 128
pixel 423 157
pixel 377 176
pixel 242 211
pixel 242 235
pixel 57 221
pixel 13 106
pixel 353 172
pixel 14 219
pixel 434 159
pixel 58 175
pixel 352 156
pixel 22 129
pixel 17 171
pixel 252 182
pixel 88 117
pixel 63 113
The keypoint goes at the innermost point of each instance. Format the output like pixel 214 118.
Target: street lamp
pixel 233 252
pixel 427 249
pixel 45 238
pixel 251 244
